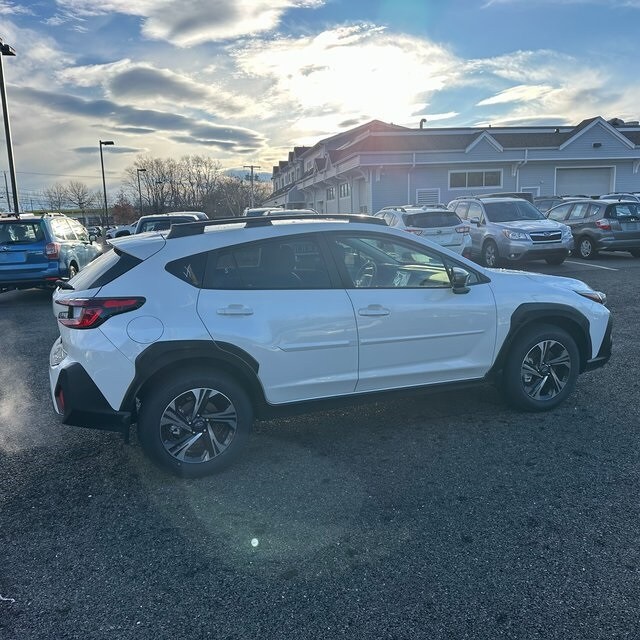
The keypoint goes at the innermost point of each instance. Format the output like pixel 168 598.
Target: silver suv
pixel 507 229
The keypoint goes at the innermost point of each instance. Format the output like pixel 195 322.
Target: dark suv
pixel 163 221
pixel 37 251
pixel 611 225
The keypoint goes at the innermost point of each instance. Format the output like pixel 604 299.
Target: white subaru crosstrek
pixel 192 332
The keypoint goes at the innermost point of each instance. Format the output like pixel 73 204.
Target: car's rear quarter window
pixel 104 269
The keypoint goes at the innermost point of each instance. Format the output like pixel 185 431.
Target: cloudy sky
pixel 243 81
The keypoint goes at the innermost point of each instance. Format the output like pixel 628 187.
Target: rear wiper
pixel 64 284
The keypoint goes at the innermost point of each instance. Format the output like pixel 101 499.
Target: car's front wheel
pixel 195 424
pixel 490 255
pixel 541 368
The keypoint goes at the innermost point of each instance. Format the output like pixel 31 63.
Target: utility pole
pixel 6 187
pixel 8 50
pixel 252 167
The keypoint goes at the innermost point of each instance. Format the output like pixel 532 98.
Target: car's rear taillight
pixel 603 223
pixel 463 229
pixel 52 250
pixel 88 313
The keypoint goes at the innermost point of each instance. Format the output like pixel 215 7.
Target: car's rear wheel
pixel 490 257
pixel 586 249
pixel 635 253
pixel 555 260
pixel 195 424
pixel 541 368
pixel 73 270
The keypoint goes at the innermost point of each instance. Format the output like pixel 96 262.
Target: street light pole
pixel 252 167
pixel 104 184
pixel 139 188
pixel 7 50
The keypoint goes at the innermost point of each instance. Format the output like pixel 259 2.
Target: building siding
pixel 392 175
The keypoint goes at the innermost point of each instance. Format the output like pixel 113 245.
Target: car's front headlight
pixel 596 296
pixel 566 231
pixel 515 235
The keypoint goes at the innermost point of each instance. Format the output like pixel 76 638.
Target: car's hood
pixel 540 278
pixel 532 225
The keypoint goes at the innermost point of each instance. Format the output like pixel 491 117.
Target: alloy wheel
pixel 198 425
pixel 545 370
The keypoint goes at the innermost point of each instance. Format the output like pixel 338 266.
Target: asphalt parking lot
pixel 434 516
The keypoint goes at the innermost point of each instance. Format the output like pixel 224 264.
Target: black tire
pixel 489 255
pixel 187 440
pixel 529 366
pixel 585 248
pixel 555 261
pixel 635 253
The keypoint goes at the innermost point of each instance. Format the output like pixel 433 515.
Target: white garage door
pixel 588 182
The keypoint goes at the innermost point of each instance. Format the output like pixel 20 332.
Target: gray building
pixel 378 164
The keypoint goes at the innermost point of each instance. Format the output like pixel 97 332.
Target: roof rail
pixel 184 229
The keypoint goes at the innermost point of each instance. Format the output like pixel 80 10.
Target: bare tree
pixel 80 196
pixel 167 184
pixel 56 197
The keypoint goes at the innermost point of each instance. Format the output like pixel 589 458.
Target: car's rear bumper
pixel 79 402
pixel 610 244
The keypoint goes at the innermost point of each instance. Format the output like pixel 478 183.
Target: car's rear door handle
pixel 235 310
pixel 374 310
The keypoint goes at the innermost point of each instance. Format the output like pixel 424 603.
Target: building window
pixel 474 179
pixel 345 190
pixel 331 193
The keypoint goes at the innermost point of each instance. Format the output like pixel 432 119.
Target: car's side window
pixel 462 209
pixel 373 261
pixel 284 263
pixel 579 211
pixel 475 211
pixel 80 231
pixel 559 214
pixel 62 230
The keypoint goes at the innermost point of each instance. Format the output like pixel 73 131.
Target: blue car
pixel 36 251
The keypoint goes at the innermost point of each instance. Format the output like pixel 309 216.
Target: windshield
pixel 512 211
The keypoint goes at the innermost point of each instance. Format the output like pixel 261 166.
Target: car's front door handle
pixel 374 310
pixel 235 310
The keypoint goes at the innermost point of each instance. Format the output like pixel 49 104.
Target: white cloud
pixel 521 93
pixel 11 8
pixel 143 84
pixel 340 74
pixel 190 22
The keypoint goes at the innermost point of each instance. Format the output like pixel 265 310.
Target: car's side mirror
pixel 475 220
pixel 460 280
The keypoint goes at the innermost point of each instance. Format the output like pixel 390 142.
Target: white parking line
pixel 588 264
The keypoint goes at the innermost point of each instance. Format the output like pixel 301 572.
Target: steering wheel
pixel 366 274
